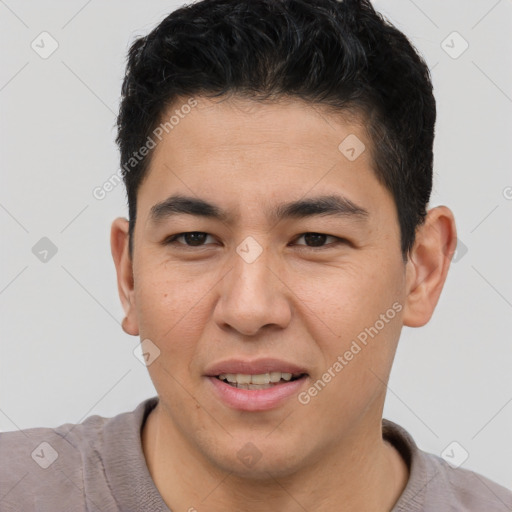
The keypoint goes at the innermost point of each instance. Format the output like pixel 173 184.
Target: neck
pixel 363 472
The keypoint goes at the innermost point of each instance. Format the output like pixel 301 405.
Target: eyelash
pixel 172 240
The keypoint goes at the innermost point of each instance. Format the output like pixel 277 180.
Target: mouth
pixel 258 385
pixel 259 381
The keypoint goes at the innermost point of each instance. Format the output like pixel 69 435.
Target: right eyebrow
pixel 185 205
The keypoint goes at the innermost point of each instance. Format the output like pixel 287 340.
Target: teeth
pixel 263 378
pixel 258 386
pixel 275 376
pixel 242 380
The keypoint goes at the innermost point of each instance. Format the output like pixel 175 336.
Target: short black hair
pixel 339 54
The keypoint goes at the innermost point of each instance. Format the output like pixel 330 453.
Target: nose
pixel 253 296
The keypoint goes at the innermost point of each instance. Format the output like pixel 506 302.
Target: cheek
pixel 342 301
pixel 171 309
pixel 353 314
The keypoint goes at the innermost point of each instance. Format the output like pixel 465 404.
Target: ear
pixel 428 264
pixel 119 244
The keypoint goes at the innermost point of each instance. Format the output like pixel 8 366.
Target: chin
pixel 258 459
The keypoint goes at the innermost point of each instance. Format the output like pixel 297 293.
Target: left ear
pixel 428 264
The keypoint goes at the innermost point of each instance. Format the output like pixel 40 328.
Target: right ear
pixel 119 244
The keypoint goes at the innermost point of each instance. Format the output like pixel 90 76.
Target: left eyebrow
pixel 334 205
pixel 327 205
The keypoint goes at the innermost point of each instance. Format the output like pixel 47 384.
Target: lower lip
pixel 255 399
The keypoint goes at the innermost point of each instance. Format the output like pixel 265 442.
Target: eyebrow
pixel 327 205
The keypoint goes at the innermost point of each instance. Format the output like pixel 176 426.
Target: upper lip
pixel 256 367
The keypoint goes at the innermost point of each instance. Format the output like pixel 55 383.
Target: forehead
pixel 240 150
pixel 229 123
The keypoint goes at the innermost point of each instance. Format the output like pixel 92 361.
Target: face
pixel 294 267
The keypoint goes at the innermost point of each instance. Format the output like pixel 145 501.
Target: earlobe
pixel 129 327
pixel 119 240
pixel 428 265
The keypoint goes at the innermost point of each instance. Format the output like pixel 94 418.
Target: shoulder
pixel 47 461
pixel 55 468
pixel 436 486
pixel 463 489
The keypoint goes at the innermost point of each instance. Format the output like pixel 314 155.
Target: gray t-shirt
pixel 98 465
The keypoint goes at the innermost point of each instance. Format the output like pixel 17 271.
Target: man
pixel 277 156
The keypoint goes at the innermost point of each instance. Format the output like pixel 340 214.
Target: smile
pixel 259 381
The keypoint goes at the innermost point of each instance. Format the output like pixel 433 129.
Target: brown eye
pixel 191 238
pixel 315 240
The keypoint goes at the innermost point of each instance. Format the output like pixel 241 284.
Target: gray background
pixel 63 353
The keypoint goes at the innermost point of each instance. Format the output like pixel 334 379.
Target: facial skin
pixel 304 305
